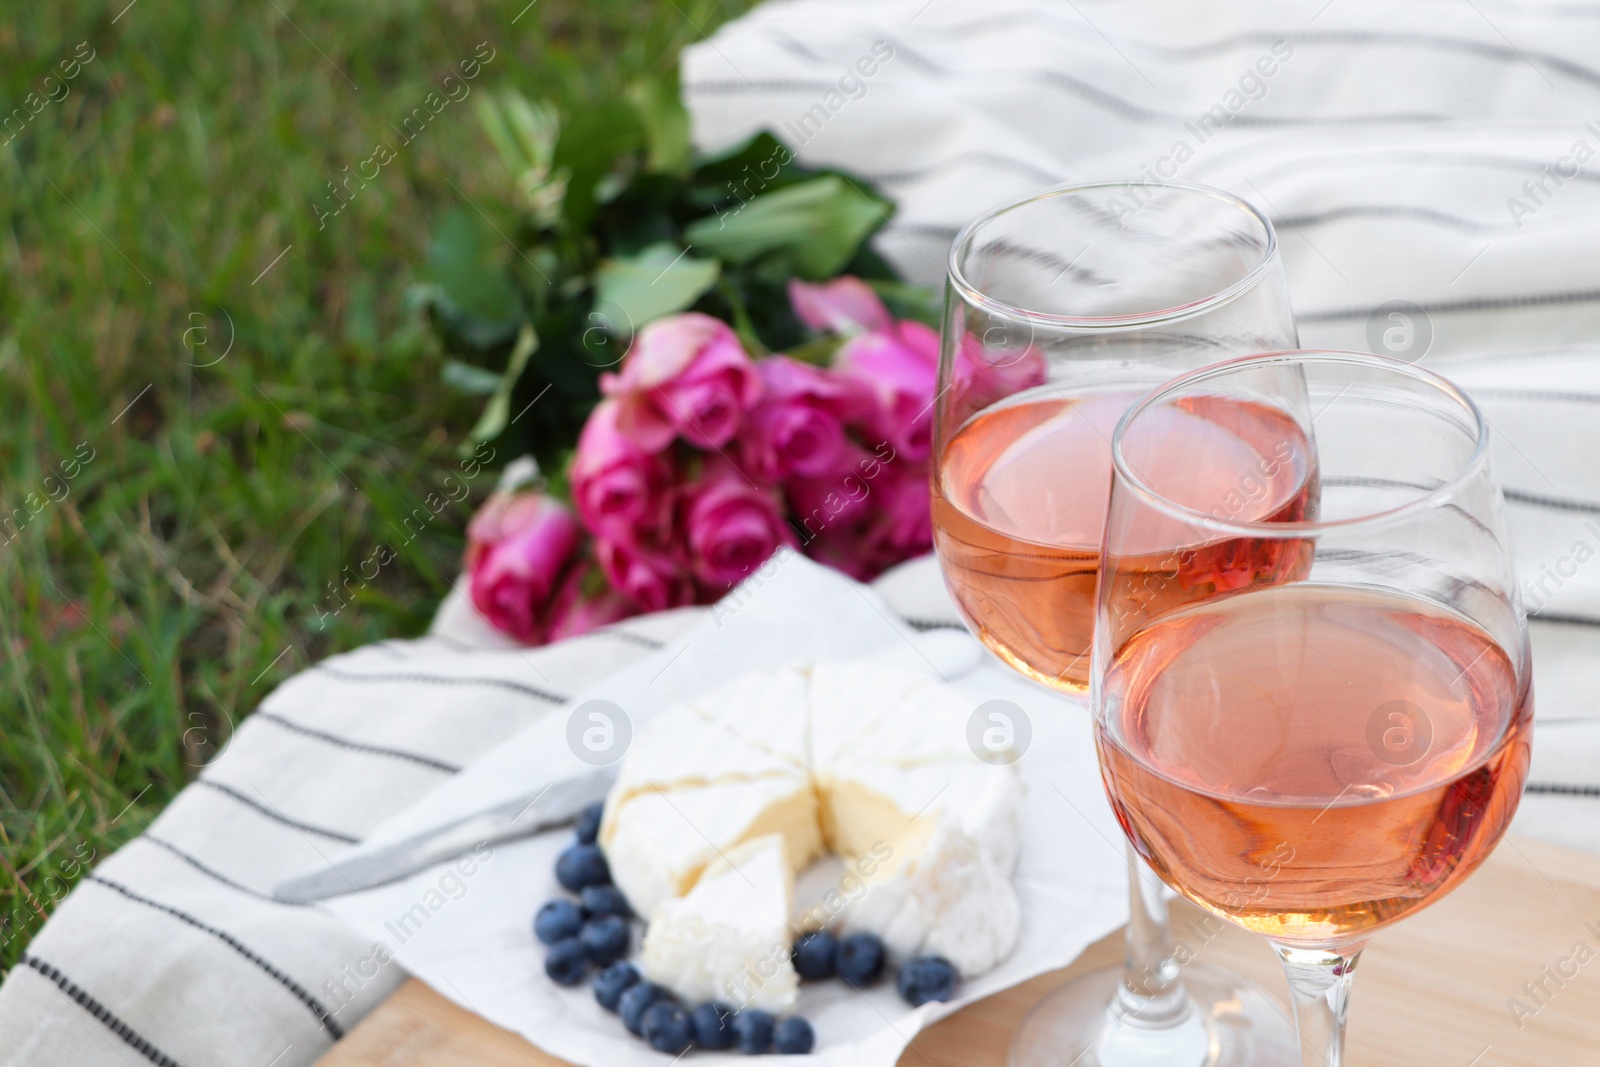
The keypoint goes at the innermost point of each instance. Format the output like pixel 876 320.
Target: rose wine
pixel 1019 506
pixel 1314 762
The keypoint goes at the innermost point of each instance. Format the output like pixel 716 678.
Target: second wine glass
pixel 1061 309
pixel 1313 728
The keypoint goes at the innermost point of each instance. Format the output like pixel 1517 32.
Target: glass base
pixel 1229 1024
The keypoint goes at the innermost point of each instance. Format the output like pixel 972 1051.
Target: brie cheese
pixel 777 767
pixel 728 940
pixel 660 840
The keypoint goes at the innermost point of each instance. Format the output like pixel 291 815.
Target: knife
pixel 557 804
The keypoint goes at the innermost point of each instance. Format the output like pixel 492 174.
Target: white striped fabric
pixel 1427 152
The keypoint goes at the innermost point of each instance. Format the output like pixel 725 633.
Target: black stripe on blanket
pixel 129 1035
pixel 928 229
pixel 1456 161
pixel 299 992
pixel 275 816
pixel 1385 211
pixel 434 679
pixel 626 637
pixel 1555 396
pixel 924 625
pixel 1517 496
pixel 214 874
pixel 356 746
pixel 1560 790
pixel 1486 303
pixel 1083 90
pixel 762 86
pixel 1396 39
pixel 964 159
pixel 1562 620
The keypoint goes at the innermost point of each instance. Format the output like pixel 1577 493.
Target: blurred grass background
pixel 172 519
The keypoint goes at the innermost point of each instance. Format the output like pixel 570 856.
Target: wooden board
pixel 1436 989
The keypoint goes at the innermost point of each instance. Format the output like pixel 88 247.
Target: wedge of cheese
pixel 662 839
pixel 728 939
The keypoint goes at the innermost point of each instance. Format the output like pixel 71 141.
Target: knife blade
pixel 557 804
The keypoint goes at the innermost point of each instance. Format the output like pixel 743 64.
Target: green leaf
pixel 595 142
pixel 907 301
pixel 498 410
pixel 524 136
pixel 762 164
pixel 666 123
pixel 658 281
pixel 469 379
pixel 814 225
pixel 466 260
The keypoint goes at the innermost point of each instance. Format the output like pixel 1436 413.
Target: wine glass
pixel 1311 727
pixel 1061 309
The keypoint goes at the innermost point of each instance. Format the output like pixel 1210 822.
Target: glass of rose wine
pixel 1311 727
pixel 1072 303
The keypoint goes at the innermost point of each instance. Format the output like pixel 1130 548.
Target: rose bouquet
pixel 703 353
pixel 702 459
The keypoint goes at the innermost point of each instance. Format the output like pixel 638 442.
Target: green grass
pixel 151 599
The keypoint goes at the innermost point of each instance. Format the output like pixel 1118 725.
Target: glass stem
pixel 1319 981
pixel 1151 993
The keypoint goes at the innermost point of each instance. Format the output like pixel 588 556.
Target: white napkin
pixel 465 927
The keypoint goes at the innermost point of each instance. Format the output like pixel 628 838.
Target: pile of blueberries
pixel 593 931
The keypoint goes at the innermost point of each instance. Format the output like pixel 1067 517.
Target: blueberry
pixel 588 826
pixel 667 1027
pixel 793 1037
pixel 566 963
pixel 582 865
pixel 813 954
pixel 557 921
pixel 635 999
pixel 713 1025
pixel 605 938
pixel 926 978
pixel 860 959
pixel 754 1031
pixel 605 900
pixel 611 983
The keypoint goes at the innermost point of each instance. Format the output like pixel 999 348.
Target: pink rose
pixel 834 513
pixel 620 489
pixel 903 525
pixel 732 526
pixel 686 375
pixel 844 305
pixel 869 514
pixel 981 377
pixel 798 425
pixel 518 546
pixel 900 366
pixel 648 578
pixel 579 608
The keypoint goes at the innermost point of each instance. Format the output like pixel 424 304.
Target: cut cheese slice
pixel 728 940
pixel 659 841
